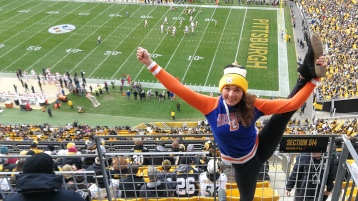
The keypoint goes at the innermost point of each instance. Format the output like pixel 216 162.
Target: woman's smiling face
pixel 232 94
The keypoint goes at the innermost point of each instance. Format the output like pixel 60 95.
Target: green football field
pixel 63 36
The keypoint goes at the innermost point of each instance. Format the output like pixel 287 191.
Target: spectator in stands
pixel 95 166
pixel 18 168
pixel 87 161
pixel 139 148
pixel 120 167
pixel 90 145
pixel 131 184
pixel 307 175
pixel 191 148
pixel 38 182
pixel 176 148
pixel 211 177
pixel 72 179
pixel 186 178
pixel 75 162
pixel 5 166
pixel 30 152
pixel 232 116
pixel 99 192
pixel 161 147
pixel 51 150
pixel 5 151
pixel 154 188
pixel 34 148
pixel 166 175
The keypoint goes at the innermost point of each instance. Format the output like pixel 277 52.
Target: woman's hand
pixel 321 61
pixel 143 56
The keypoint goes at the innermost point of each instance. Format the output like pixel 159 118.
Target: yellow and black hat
pixel 234 75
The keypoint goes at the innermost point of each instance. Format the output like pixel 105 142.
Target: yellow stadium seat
pixel 195 198
pixel 348 193
pixel 233 192
pixel 350 161
pixel 228 198
pixel 160 199
pixel 266 194
pixel 206 199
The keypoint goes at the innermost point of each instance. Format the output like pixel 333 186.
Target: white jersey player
pixel 145 23
pixel 26 75
pixel 174 30
pixel 186 30
pixel 165 20
pixel 180 23
pixel 58 75
pixel 191 19
pixel 33 73
pixel 206 180
pixel 162 28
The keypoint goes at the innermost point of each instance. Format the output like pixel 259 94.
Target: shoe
pixel 317 47
pixel 308 68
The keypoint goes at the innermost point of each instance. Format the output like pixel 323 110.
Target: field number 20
pixel 34 48
pixel 112 53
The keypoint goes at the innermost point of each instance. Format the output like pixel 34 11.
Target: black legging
pixel 269 137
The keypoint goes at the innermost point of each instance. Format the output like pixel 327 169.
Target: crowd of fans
pixel 129 176
pixel 47 132
pixel 335 23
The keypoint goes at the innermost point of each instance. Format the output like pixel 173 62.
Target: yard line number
pixel 73 50
pixel 195 58
pixel 53 12
pixel 146 16
pixel 24 11
pixel 115 15
pixel 113 53
pixel 33 48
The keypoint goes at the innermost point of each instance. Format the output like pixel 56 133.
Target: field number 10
pixel 196 58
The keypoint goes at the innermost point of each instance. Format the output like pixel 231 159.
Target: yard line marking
pixel 13 8
pixel 178 47
pixel 63 40
pixel 28 38
pixel 89 35
pixel 283 74
pixel 15 23
pixel 141 69
pixel 242 28
pixel 197 47
pixel 217 48
pixel 139 42
pixel 97 46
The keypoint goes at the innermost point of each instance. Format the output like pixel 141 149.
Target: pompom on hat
pixel 234 75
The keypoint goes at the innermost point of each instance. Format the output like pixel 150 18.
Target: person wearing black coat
pixel 131 185
pixel 307 176
pixel 39 183
pixel 72 161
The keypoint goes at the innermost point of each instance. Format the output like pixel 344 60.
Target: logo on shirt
pixel 61 29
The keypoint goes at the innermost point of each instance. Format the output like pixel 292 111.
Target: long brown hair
pixel 246 109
